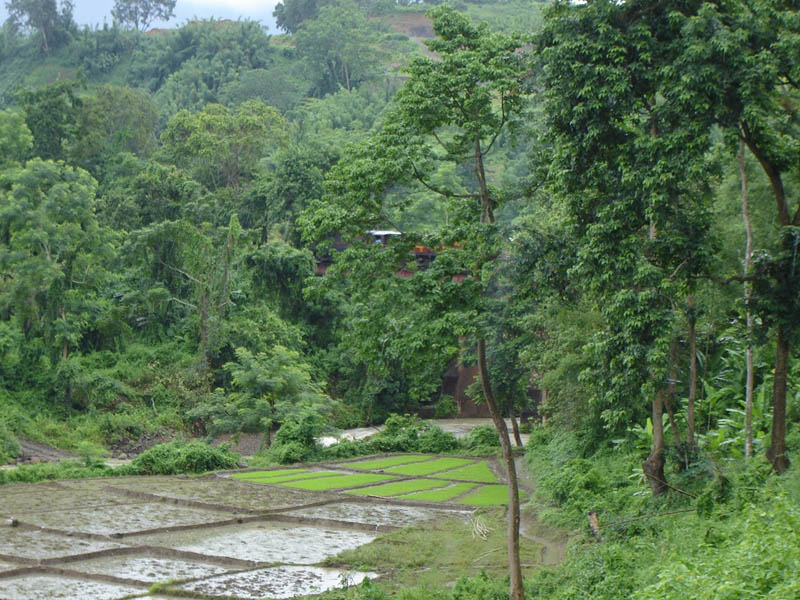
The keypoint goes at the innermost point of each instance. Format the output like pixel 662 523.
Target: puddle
pixel 222 491
pixel 30 543
pixel 149 569
pixel 380 514
pixel 44 587
pixel 126 518
pixel 265 542
pixel 277 582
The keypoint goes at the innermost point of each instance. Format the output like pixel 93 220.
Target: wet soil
pixel 34 452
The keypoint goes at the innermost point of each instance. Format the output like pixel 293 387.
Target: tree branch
pixel 418 176
pixel 179 301
pixel 177 270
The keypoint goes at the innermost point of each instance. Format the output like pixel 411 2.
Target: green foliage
pixel 51 471
pixel 16 139
pixel 409 434
pixel 483 436
pixel 182 457
pixel 9 446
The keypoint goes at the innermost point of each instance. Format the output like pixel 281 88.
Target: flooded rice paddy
pixel 109 539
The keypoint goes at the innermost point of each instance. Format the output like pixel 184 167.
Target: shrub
pixel 180 457
pixel 483 435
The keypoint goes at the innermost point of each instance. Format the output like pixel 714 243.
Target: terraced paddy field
pixel 273 533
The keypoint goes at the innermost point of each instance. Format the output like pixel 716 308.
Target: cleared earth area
pixel 250 534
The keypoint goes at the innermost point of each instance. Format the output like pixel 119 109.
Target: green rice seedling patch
pixel 267 474
pixel 433 466
pixel 442 495
pixel 487 495
pixel 382 463
pixel 398 487
pixel 477 472
pixel 336 483
pixel 297 477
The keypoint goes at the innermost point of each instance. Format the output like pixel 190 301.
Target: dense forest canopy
pixel 609 193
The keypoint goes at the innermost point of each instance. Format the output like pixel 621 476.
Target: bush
pixel 407 433
pixel 181 457
pixel 483 435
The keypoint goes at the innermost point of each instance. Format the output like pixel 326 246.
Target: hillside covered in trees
pixel 608 192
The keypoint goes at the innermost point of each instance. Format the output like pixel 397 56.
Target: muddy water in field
pixel 264 542
pixel 127 518
pixel 151 569
pixel 44 587
pixel 223 491
pixel 375 513
pixel 276 582
pixel 33 544
pixel 56 499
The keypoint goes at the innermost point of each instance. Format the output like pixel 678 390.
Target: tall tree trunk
pixel 776 453
pixel 690 428
pixel 516 591
pixel 748 259
pixel 653 467
pixel 669 398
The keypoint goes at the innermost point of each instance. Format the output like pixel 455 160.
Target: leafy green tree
pixel 270 387
pixel 54 257
pixel 141 13
pixel 740 62
pixel 451 110
pixel 221 147
pixel 113 120
pixel 338 47
pixel 632 169
pixel 53 26
pixel 291 14
pixel 16 140
pixel 51 113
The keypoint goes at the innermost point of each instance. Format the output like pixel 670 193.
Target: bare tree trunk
pixel 748 259
pixel 776 453
pixel 653 467
pixel 516 591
